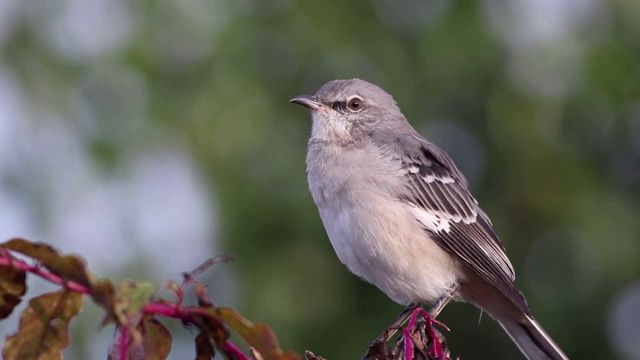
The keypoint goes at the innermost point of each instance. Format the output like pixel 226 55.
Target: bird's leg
pixel 443 301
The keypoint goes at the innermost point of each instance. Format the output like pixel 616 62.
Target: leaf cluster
pixel 135 308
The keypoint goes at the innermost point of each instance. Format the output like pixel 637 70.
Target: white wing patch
pixel 413 169
pixel 433 221
pixel 444 179
pixel 437 221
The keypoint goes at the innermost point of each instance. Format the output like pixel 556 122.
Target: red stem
pixel 164 308
pixel 124 343
pixel 175 311
pixel 6 259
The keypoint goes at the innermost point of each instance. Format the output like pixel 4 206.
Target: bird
pixel 399 214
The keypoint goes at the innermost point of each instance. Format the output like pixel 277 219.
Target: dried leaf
pixel 12 287
pixel 210 324
pixel 258 336
pixel 204 349
pixel 200 291
pixel 156 339
pixel 172 286
pixel 44 327
pixel 70 268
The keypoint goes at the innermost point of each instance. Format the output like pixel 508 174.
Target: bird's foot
pixel 436 348
pixel 415 336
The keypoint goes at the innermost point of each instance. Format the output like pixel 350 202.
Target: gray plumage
pixel 399 215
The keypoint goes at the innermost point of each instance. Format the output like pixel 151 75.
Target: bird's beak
pixel 307 101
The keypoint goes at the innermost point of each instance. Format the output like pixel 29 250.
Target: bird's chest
pixel 354 195
pixel 344 176
pixel 339 198
pixel 370 228
pixel 354 226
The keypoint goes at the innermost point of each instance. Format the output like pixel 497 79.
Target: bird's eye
pixel 354 104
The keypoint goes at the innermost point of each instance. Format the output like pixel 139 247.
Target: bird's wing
pixel 439 199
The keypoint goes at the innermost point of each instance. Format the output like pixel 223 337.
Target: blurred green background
pixel 148 136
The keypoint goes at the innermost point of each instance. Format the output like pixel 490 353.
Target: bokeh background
pixel 148 136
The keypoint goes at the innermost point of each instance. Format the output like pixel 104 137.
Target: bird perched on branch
pixel 399 214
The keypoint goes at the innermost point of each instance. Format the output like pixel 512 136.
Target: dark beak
pixel 307 101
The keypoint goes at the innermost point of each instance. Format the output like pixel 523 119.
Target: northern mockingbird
pixel 399 215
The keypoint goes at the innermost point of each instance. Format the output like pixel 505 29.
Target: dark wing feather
pixel 438 191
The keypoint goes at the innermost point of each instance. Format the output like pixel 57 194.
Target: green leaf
pixel 44 327
pixel 12 287
pixel 131 296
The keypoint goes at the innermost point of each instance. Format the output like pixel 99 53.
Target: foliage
pixel 134 307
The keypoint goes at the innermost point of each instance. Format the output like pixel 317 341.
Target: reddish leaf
pixel 258 336
pixel 204 349
pixel 43 331
pixel 70 268
pixel 210 323
pixel 12 287
pixel 212 320
pixel 156 339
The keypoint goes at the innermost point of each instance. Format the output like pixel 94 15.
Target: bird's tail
pixel 532 340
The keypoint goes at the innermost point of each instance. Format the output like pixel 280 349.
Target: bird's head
pixel 347 109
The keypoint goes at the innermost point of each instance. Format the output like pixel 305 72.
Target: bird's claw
pixel 436 349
